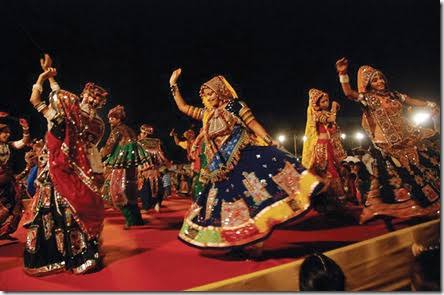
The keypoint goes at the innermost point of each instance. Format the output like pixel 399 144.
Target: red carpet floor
pixel 153 259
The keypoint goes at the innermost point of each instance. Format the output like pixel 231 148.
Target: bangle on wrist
pixel 268 140
pixel 343 78
pixel 40 106
pixel 37 87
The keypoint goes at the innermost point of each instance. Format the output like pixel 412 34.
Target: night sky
pixel 272 52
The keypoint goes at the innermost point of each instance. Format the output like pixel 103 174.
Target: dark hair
pixel 362 172
pixel 320 273
pixel 426 271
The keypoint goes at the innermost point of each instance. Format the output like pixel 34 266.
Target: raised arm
pixel 194 112
pixel 46 63
pixel 19 144
pixel 174 135
pixel 341 67
pixel 37 90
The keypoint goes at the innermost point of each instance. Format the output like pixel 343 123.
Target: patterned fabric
pixel 5 154
pixel 225 135
pixel 69 163
pixel 242 190
pixel 124 156
pixel 122 149
pixel 55 240
pixel 153 147
pixel 67 194
pixel 10 197
pixel 10 205
pixel 407 159
pixel 265 188
pixel 97 92
pixel 323 155
pixel 149 180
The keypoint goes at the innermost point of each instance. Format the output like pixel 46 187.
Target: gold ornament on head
pixel 311 135
pixel 97 92
pixel 117 112
pixel 315 95
pixel 221 87
pixel 365 75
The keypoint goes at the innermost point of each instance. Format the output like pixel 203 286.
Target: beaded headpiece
pixel 117 112
pixel 97 92
pixel 365 75
pixel 221 86
pixel 315 95
pixel 147 128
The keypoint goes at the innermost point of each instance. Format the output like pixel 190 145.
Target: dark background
pixel 272 52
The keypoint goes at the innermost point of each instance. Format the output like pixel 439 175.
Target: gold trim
pixel 45 270
pixel 88 265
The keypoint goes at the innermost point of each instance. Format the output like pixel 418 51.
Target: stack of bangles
pixel 343 78
pixel 40 106
pixel 268 140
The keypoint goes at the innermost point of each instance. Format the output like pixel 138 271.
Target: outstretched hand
pixel 23 123
pixel 46 62
pixel 48 73
pixel 342 65
pixel 174 76
pixel 172 132
pixel 335 106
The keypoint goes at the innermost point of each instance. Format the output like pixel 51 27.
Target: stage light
pixel 359 136
pixel 282 138
pixel 304 138
pixel 421 117
pixel 343 136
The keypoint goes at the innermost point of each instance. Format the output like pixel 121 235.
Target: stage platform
pixel 153 259
pixel 378 264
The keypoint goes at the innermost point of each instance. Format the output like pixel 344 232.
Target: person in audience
pixel 426 270
pixel 321 273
